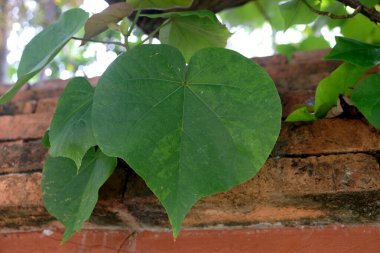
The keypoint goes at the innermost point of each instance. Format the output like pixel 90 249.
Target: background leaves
pixel 52 39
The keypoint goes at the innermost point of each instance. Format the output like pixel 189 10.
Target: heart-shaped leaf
pixel 99 22
pixel 71 132
pixel 366 97
pixel 159 4
pixel 188 131
pixel 71 194
pixel 44 46
pixel 355 52
pixel 191 31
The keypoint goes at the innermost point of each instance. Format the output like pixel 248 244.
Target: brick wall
pixel 318 192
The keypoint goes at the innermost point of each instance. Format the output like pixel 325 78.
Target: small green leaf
pixel 192 30
pixel 355 52
pixel 159 4
pixel 99 22
pixel 71 132
pixel 187 130
pixel 296 12
pixel 301 114
pixel 339 82
pixel 44 46
pixel 70 194
pixel 366 97
pixel 45 139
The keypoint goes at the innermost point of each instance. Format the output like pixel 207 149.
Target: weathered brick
pixel 22 107
pixel 290 99
pixel 21 157
pixel 24 127
pixel 282 191
pixel 327 136
pixel 19 190
pixel 47 105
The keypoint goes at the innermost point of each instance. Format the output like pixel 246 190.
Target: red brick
pixel 27 126
pixel 330 239
pixel 285 190
pixel 20 190
pixel 47 105
pixel 21 157
pixel 290 99
pixel 327 136
pixel 48 240
pixel 22 107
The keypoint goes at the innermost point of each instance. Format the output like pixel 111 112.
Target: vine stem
pixel 332 15
pixel 99 41
pixel 152 34
pixel 126 43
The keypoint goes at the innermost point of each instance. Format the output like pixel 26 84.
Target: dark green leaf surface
pixel 192 30
pixel 71 132
pixel 44 46
pixel 159 4
pixel 370 3
pixel 188 131
pixel 45 139
pixel 71 194
pixel 355 52
pixel 366 97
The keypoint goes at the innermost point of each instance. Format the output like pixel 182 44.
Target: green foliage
pixel 71 132
pixel 355 52
pixel 53 38
pixel 296 12
pixel 189 130
pixel 159 4
pixel 192 30
pixel 366 97
pixel 71 194
pixel 370 3
pixel 220 121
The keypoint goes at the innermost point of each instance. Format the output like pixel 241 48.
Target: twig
pixel 99 41
pixel 126 43
pixel 332 15
pixel 370 12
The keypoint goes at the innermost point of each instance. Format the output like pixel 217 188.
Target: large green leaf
pixel 339 82
pixel 366 97
pixel 192 30
pixel 44 46
pixel 99 22
pixel 296 12
pixel 70 132
pixel 70 195
pixel 355 52
pixel 188 131
pixel 159 4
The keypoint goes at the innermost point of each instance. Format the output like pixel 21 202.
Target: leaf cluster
pixel 190 117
